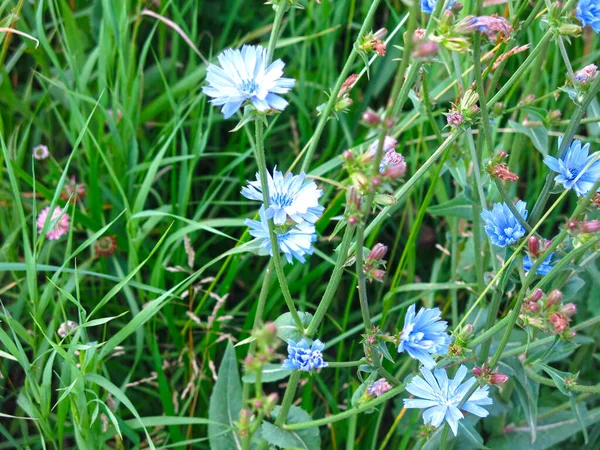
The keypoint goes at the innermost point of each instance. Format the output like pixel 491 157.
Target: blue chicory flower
pixel 302 356
pixel 295 242
pixel 588 13
pixel 502 226
pixel 544 268
pixel 244 76
pixel 289 196
pixel 428 6
pixel 441 397
pixel 423 335
pixel 571 166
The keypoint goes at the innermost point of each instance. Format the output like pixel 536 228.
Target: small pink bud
pixel 371 117
pixel 352 220
pixel 376 181
pixel 534 307
pixel 271 327
pixel 377 252
pixel 498 378
pixel 378 274
pixel 258 403
pixel 569 309
pixel 502 154
pixel 554 298
pixel 348 155
pixel 590 227
pixel 477 371
pixel 534 246
pixel 248 360
pixel 536 295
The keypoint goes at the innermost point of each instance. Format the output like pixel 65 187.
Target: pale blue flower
pixel 295 242
pixel 588 13
pixel 289 196
pixel 502 226
pixel 544 268
pixel 574 163
pixel 441 397
pixel 302 356
pixel 244 76
pixel 428 6
pixel 423 335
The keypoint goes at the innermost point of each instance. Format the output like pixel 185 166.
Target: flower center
pixel 281 200
pixel 249 87
pixel 573 173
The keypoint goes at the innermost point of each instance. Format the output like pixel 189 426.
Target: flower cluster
pixel 502 226
pixel 498 168
pixel 485 375
pixel 548 313
pixel 59 222
pixel 465 111
pixel 374 261
pixel 305 357
pixel 246 77
pixel 424 335
pixel 441 398
pixel 577 169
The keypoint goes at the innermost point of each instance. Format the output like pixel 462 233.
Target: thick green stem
pixel 288 398
pixel 275 31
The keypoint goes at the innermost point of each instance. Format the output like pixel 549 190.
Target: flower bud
pixel 348 155
pixel 570 29
pixel 534 307
pixel 352 197
pixel 385 199
pixel 554 298
pixel 371 117
pixel 554 115
pixel 498 378
pixel 454 119
pixel 477 371
pixel 536 295
pixel 352 220
pixel 569 309
pixel 380 34
pixel 245 415
pixel 395 170
pixel 377 252
pixel 587 75
pixel 591 226
pixel 498 108
pixel 425 50
pixel 377 274
pixel 534 246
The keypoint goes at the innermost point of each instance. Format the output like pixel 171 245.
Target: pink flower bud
pixel 498 378
pixel 554 298
pixel 502 154
pixel 534 246
pixel 396 170
pixel 352 220
pixel 536 295
pixel 378 274
pixel 348 155
pixel 590 227
pixel 454 119
pixel 377 252
pixel 569 309
pixel 534 307
pixel 559 321
pixel 477 371
pixel 376 181
pixel 371 117
pixel 257 403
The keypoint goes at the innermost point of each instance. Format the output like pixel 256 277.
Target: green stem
pixel 276 258
pixel 288 398
pixel 550 382
pixel 314 141
pixel 281 8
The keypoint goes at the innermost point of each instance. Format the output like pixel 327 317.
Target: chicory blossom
pixel 424 334
pixel 289 196
pixel 295 242
pixel 571 166
pixel 428 6
pixel 442 397
pixel 544 268
pixel 244 76
pixel 588 13
pixel 305 357
pixel 502 226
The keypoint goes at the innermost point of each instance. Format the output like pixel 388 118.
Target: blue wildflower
pixel 423 335
pixel 289 196
pixel 428 6
pixel 441 397
pixel 571 166
pixel 502 226
pixel 245 76
pixel 301 356
pixel 295 242
pixel 544 267
pixel 588 13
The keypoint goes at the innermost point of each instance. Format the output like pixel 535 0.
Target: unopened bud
pixel 498 378
pixel 554 115
pixel 591 226
pixel 534 246
pixel 534 307
pixel 498 108
pixel 377 274
pixel 569 309
pixel 376 181
pixel 426 50
pixel 456 7
pixel 536 295
pixel 271 328
pixel 570 29
pixel 245 415
pixel 352 197
pixel 348 155
pixel 377 252
pixel 352 220
pixel 385 199
pixel 257 403
pixel 477 371
pixel 554 298
pixel 371 117
pixel 380 34
pixel 454 119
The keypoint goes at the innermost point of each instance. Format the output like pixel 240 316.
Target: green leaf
pixel 307 439
pixel 538 135
pixel 225 403
pixel 271 372
pixel 286 328
pixel 527 391
pixel 558 377
pixel 469 433
pixel 459 206
pixel 580 413
pixel 553 434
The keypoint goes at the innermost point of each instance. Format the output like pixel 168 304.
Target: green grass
pixel 140 371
